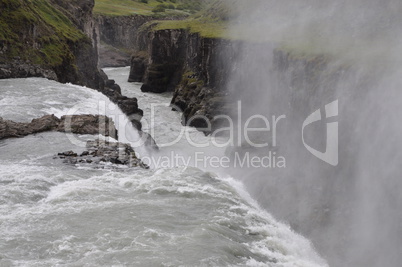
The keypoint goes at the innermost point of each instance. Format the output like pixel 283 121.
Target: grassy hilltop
pixel 207 17
pixel 210 18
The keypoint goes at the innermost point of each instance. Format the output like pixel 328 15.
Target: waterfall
pixel 339 62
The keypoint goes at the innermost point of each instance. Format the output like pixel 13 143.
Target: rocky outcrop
pixel 78 124
pixel 87 124
pixel 167 54
pixel 86 54
pixel 17 129
pixel 99 152
pixel 138 66
pixel 17 69
pixel 129 106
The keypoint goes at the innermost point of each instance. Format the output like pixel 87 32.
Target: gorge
pixel 279 60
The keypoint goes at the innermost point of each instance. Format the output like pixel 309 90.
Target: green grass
pixel 136 7
pixel 58 21
pixel 211 21
pixel 54 32
pixel 209 17
pixel 214 20
pixel 122 7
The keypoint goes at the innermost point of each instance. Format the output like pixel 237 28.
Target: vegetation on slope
pixel 158 8
pixel 37 32
pixel 211 21
pixel 207 17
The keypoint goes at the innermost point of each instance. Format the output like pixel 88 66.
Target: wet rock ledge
pixel 100 152
pixel 128 106
pixel 78 124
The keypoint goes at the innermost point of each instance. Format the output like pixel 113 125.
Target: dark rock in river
pixel 101 151
pixel 109 82
pixel 10 128
pixel 139 64
pixel 87 124
pixel 129 106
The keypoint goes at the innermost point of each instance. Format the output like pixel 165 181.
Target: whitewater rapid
pixel 52 214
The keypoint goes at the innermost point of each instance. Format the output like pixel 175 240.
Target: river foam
pixel 54 214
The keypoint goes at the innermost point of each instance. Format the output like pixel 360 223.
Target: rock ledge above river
pixel 78 124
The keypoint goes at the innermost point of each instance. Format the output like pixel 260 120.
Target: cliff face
pixel 118 38
pixel 189 65
pixel 121 31
pixel 53 39
pixel 80 13
pixel 121 36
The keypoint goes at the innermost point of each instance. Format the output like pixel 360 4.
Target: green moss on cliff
pixel 59 23
pixel 122 7
pixel 37 32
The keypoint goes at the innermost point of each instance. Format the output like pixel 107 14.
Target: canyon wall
pixel 118 37
pixel 193 67
pixel 121 36
pixel 53 39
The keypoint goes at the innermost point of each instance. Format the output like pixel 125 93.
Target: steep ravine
pixel 193 67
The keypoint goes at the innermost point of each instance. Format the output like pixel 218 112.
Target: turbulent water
pixel 52 214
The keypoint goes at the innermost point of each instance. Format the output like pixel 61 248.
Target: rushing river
pixel 53 214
